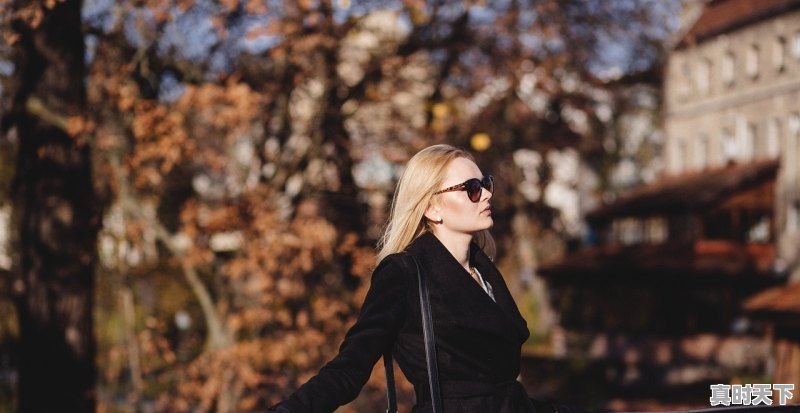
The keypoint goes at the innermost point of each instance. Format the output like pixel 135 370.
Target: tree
pixel 250 153
pixel 55 207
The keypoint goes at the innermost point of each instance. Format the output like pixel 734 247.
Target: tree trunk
pixel 525 241
pixel 59 219
pixel 132 344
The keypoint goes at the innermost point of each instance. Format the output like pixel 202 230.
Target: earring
pixel 439 220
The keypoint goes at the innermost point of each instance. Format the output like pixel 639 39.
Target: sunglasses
pixel 473 187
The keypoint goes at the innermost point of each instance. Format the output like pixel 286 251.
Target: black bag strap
pixel 391 396
pixel 430 343
pixel 430 350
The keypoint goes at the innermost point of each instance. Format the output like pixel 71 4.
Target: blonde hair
pixel 424 174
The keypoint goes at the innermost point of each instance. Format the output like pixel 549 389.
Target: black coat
pixel 478 340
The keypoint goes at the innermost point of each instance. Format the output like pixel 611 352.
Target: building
pixel 732 95
pixel 668 288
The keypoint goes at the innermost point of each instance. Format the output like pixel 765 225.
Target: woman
pixel 440 215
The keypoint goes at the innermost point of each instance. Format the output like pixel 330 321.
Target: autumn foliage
pixel 245 152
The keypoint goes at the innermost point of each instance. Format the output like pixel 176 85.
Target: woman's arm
pixel 381 317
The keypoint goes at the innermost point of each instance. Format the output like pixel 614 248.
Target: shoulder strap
pixel 391 396
pixel 430 343
pixel 430 348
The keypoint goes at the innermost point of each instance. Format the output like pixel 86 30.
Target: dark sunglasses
pixel 473 187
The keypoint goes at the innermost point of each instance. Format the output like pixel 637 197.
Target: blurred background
pixel 191 191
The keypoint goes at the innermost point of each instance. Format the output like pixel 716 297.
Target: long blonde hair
pixel 424 174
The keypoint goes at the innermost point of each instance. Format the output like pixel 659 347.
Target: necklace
pixel 474 273
pixel 479 279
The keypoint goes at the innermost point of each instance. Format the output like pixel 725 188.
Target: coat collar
pixel 470 306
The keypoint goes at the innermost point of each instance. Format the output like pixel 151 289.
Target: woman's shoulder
pixel 398 261
pixel 391 270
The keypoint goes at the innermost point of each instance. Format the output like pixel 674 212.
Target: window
pixel 684 79
pixel 760 232
pixel 773 137
pixel 681 152
pixel 728 146
pixel 629 231
pixel 703 76
pixel 686 71
pixel 656 230
pixel 796 45
pixel 779 53
pixel 745 135
pixel 685 154
pixel 701 152
pixel 758 141
pixel 792 151
pixel 751 61
pixel 793 218
pixel 728 69
pixel 794 124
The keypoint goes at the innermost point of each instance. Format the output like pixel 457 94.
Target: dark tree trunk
pixel 58 218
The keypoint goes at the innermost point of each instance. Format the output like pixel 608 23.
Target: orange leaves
pixel 229 5
pixel 161 135
pixel 363 258
pixel 221 219
pixel 49 4
pixel 10 37
pixel 154 347
pixel 77 125
pixel 271 28
pixel 160 9
pixel 324 308
pixel 227 106
pixel 128 96
pixel 184 5
pixel 31 14
pixel 198 128
pixel 256 7
pixel 316 238
pixel 216 375
pixel 280 296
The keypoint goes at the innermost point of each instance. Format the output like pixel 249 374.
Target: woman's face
pixel 455 210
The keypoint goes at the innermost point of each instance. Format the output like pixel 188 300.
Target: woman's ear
pixel 433 214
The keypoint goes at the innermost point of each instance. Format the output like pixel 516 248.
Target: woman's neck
pixel 457 244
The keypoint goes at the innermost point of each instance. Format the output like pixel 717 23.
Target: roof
pixel 702 263
pixel 721 16
pixel 688 192
pixel 783 299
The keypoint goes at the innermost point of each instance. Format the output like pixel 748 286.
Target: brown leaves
pixel 197 128
pixel 256 7
pixel 31 15
pixel 184 5
pixel 214 377
pixel 222 106
pixel 79 125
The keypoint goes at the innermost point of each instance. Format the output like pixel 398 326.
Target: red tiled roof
pixel 783 299
pixel 704 260
pixel 688 192
pixel 720 16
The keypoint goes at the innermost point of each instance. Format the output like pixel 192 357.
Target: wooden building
pixel 667 285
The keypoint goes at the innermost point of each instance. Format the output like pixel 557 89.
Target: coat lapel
pixel 502 295
pixel 467 304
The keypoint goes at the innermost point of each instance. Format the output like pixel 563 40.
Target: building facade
pixel 693 277
pixel 732 95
